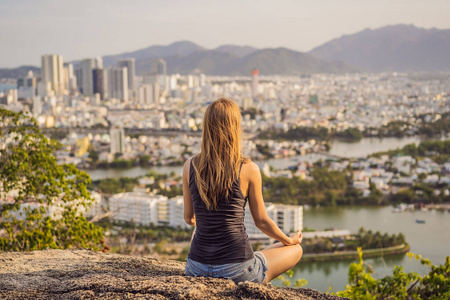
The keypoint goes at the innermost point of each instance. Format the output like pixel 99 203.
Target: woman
pixel 216 186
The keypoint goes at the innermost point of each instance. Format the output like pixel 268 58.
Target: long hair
pixel 217 165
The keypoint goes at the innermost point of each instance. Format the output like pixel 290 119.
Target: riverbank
pixel 350 255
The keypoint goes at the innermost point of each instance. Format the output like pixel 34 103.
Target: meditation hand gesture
pixel 296 238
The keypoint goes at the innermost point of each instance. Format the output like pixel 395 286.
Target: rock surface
pixel 85 274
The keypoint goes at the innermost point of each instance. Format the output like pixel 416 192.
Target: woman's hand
pixel 296 238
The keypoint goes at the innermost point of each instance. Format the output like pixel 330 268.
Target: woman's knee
pixel 299 252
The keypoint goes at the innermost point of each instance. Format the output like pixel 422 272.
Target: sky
pixel 78 29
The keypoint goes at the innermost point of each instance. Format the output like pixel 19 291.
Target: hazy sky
pixel 86 28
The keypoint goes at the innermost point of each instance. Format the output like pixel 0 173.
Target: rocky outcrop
pixel 85 274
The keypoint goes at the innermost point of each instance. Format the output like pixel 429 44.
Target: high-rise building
pixel 118 83
pixel 255 82
pixel 99 62
pixel 159 69
pixel 52 71
pixel 130 65
pixel 100 81
pixel 84 74
pixel 70 81
pixel 117 136
pixel 145 95
pixel 85 82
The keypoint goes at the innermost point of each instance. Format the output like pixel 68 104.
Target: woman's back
pixel 215 204
pixel 220 236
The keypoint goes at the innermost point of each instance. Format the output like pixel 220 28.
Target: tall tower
pixel 70 81
pixel 100 83
pixel 255 82
pixel 86 82
pixel 52 71
pixel 130 65
pixel 84 74
pixel 118 83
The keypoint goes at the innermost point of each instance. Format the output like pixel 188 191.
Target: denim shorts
pixel 253 270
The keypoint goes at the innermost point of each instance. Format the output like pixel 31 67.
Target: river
pixel 431 240
pixel 338 147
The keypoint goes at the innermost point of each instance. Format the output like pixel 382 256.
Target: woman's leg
pixel 281 258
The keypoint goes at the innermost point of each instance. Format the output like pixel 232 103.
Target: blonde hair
pixel 217 166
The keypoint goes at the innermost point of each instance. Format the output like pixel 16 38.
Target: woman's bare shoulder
pixel 187 165
pixel 250 167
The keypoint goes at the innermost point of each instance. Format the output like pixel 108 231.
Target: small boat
pixel 400 208
pixel 420 221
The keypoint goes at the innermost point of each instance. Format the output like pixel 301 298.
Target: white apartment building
pixel 56 209
pixel 52 72
pixel 289 218
pixel 176 212
pixel 139 208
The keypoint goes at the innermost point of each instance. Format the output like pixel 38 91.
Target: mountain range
pixel 186 57
pixel 402 48
pixel 392 48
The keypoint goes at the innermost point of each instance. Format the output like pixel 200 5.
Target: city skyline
pixel 100 28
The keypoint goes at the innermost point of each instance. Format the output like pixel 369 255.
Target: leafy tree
pixel 399 285
pixel 93 155
pixel 40 200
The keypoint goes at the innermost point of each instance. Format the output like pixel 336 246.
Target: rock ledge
pixel 85 274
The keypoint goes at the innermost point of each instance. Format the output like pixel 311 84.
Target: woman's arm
pixel 258 209
pixel 189 216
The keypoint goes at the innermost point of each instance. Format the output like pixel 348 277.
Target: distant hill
pixel 239 51
pixel 391 48
pixel 182 48
pixel 18 72
pixel 187 57
pixel 284 61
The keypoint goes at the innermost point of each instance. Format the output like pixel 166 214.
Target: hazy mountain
pixel 182 48
pixel 284 61
pixel 239 51
pixel 209 62
pixel 187 57
pixel 391 48
pixel 18 72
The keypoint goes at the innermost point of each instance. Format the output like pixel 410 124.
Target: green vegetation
pixel 420 193
pixel 436 127
pixel 427 148
pixel 364 239
pixel 399 285
pixel 392 129
pixel 113 185
pixel 298 133
pixel 327 188
pixel 264 150
pixel 149 233
pixel 353 134
pixel 306 133
pixel 286 282
pixel 122 163
pixel 32 182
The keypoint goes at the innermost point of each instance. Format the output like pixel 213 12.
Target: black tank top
pixel 220 236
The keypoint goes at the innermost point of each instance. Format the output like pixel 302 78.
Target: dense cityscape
pixel 342 121
pixel 111 118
